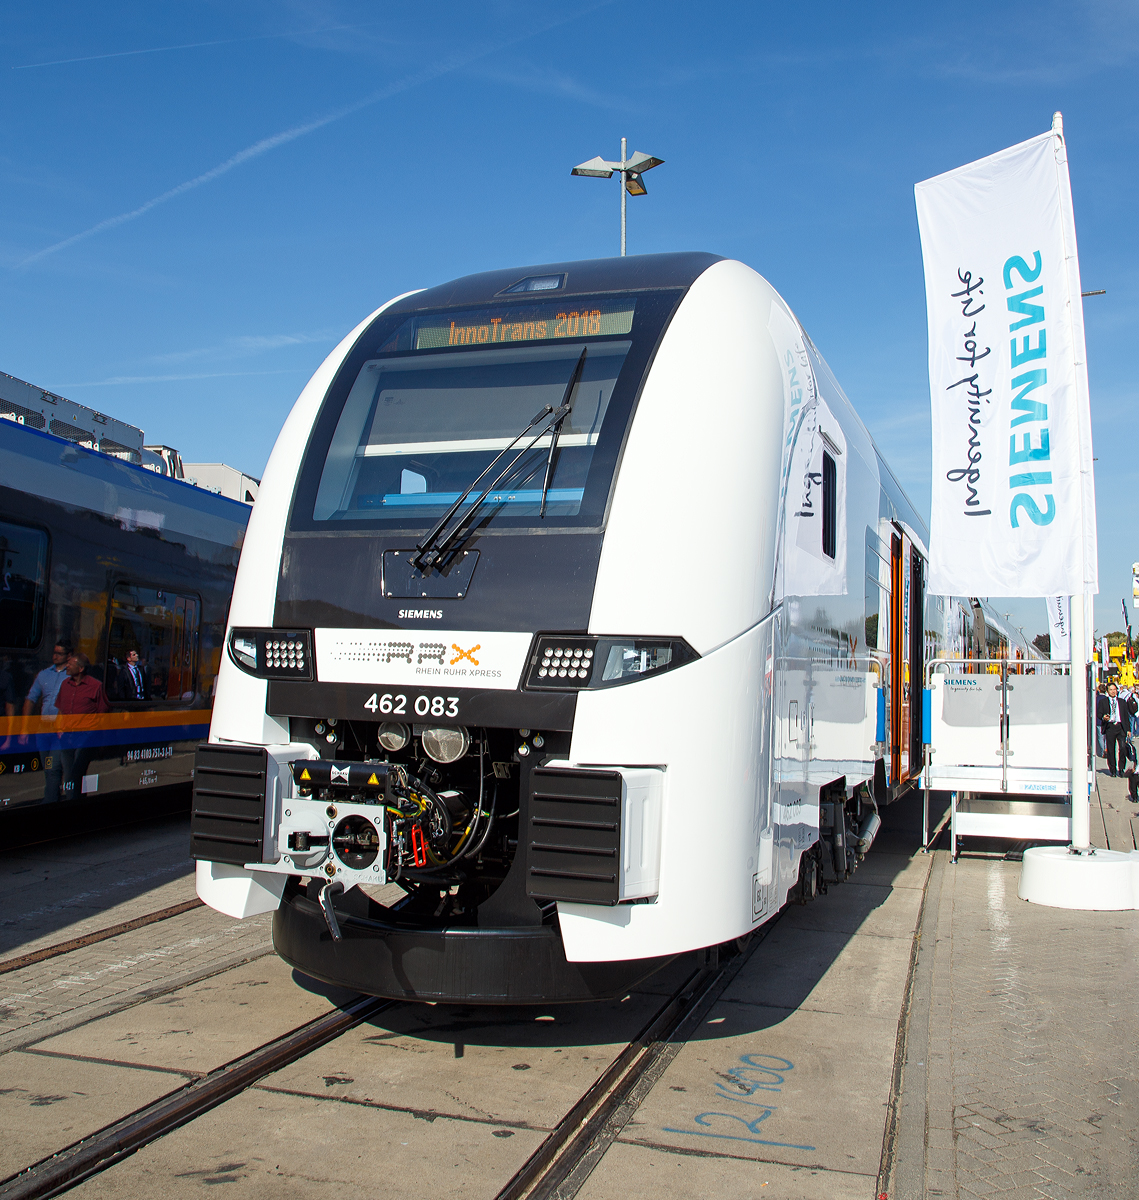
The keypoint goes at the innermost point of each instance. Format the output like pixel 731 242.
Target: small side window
pixel 830 505
pixel 873 612
pixel 23 585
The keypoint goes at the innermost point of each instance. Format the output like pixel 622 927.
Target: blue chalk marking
pixel 749 1087
pixel 735 1137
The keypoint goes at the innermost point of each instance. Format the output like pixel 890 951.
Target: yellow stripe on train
pixel 66 723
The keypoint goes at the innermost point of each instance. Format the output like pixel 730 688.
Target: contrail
pixel 451 63
pixel 119 380
pixel 261 37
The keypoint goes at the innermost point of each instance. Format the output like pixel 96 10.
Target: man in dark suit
pixel 134 679
pixel 1114 713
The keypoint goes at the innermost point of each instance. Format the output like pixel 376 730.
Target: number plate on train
pixel 407 704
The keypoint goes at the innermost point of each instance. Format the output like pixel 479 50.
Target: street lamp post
pixel 630 171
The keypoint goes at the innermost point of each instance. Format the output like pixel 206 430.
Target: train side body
pixel 108 557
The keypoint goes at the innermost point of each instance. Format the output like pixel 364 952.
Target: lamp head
pixel 597 168
pixel 641 162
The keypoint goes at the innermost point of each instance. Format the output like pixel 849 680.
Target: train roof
pixel 635 272
pixel 55 469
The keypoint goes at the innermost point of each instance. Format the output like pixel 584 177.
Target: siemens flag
pixel 1013 502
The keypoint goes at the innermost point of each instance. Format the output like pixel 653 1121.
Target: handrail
pixel 872 662
pixel 1037 666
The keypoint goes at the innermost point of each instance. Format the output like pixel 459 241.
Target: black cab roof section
pixel 635 272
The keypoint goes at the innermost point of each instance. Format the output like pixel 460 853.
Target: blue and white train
pixel 578 603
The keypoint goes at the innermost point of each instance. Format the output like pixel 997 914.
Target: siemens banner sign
pixel 1013 503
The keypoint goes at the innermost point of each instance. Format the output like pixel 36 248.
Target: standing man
pixel 134 679
pixel 79 693
pixel 43 693
pixel 1114 714
pixel 46 686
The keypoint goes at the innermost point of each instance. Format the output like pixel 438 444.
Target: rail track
pixel 558 1166
pixel 22 830
pixel 19 961
pixel 561 1164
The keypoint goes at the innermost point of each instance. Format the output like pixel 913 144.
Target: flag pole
pixel 1078 744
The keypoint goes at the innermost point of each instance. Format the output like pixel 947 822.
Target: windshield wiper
pixel 563 409
pixel 432 550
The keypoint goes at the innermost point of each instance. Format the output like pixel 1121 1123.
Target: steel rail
pixel 102 1149
pixel 96 935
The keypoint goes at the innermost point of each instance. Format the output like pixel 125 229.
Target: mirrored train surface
pixel 578 603
pixel 104 552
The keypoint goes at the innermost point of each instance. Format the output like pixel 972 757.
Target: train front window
pixel 416 430
pixel 428 398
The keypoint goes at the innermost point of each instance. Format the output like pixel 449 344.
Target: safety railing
pixel 1026 705
pixel 996 666
pixel 999 727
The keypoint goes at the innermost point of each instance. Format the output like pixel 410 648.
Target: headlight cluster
pixel 566 662
pixel 571 663
pixel 272 653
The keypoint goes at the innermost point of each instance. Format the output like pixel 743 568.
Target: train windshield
pixel 428 406
pixel 415 432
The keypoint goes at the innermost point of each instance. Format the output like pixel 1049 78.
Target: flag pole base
pixel 1099 880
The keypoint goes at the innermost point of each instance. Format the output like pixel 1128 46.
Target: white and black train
pixel 578 603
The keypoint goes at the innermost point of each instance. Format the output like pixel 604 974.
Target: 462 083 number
pixel 396 704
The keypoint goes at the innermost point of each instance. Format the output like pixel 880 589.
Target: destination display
pixel 513 323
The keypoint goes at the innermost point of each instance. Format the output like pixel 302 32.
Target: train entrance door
pixel 917 658
pixel 183 651
pixel 906 653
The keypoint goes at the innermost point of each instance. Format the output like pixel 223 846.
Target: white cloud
pixel 118 380
pixel 528 77
pixel 259 37
pixel 246 346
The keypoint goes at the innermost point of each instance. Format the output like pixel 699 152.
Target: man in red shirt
pixel 79 693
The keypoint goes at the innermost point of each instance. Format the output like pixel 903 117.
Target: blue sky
pixel 199 199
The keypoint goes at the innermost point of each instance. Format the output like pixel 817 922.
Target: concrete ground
pixel 63 889
pixel 1021 1076
pixel 787 1083
pixel 1115 816
pixel 918 1030
pixel 784 1089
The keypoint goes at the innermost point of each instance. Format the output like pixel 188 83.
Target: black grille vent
pixel 574 835
pixel 22 415
pixel 227 823
pixel 83 437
